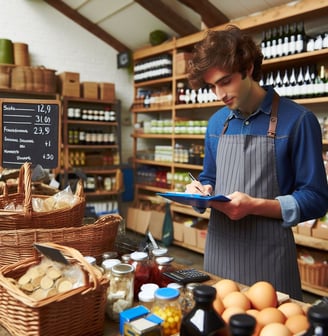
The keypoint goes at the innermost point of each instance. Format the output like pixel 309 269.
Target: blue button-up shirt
pixel 298 144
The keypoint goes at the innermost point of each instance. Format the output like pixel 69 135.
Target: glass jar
pixel 140 262
pixel 93 261
pixel 188 302
pixel 120 291
pixel 108 264
pixel 167 307
pixel 146 295
pixel 163 265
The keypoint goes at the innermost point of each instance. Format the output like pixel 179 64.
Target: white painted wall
pixel 58 43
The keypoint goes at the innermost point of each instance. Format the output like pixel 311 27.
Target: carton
pixel 178 231
pixel 156 221
pixel 107 91
pixel 69 84
pixel 305 228
pixel 89 90
pixel 320 230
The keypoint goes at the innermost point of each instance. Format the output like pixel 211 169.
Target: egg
pixel 225 286
pixel 290 309
pixel 270 315
pixel 218 305
pixel 275 329
pixel 262 294
pixel 297 323
pixel 258 327
pixel 231 311
pixel 236 299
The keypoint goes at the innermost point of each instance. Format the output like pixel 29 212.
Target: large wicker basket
pixel 79 312
pixel 92 239
pixel 27 219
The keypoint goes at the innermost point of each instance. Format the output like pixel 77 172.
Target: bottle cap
pixel 107 264
pixel 166 293
pixel 119 269
pixel 204 293
pixel 241 324
pixel 137 256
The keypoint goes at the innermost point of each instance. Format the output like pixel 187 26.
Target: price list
pixel 30 133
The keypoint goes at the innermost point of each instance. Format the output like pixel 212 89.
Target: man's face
pixel 230 88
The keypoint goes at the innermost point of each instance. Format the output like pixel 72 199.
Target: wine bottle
pixel 293 83
pixel 279 84
pixel 274 38
pixel 268 44
pixel 300 38
pixel 301 83
pixel 308 83
pixel 292 40
pixel 285 45
pixel 280 42
pixel 285 82
pixel 263 44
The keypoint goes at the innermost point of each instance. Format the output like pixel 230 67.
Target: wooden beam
pixel 169 17
pixel 210 15
pixel 87 24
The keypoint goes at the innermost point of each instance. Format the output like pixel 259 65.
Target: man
pixel 265 153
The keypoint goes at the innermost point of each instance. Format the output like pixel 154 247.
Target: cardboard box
pixel 201 236
pixel 131 218
pixel 89 90
pixel 320 230
pixel 189 235
pixel 181 63
pixel 69 84
pixel 142 221
pixel 305 228
pixel 107 91
pixel 156 221
pixel 178 231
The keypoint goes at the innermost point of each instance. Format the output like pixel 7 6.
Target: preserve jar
pixel 142 269
pixel 163 265
pixel 167 307
pixel 120 291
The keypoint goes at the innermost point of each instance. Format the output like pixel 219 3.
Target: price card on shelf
pixel 30 132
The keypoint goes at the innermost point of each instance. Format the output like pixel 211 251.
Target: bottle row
pixel 100 183
pixel 76 113
pixel 102 208
pixel 290 39
pixel 91 137
pixel 185 95
pixel 153 68
pixel 86 159
pixel 302 82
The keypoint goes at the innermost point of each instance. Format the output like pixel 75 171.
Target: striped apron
pixel 254 248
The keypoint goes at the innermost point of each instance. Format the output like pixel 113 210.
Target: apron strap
pixel 273 119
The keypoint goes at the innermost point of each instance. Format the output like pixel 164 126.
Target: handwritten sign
pixel 30 132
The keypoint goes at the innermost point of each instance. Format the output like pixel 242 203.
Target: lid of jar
pixel 126 257
pixel 241 323
pixel 146 296
pixel 204 293
pixel 110 255
pixel 157 252
pixel 119 269
pixel 138 255
pixel 91 260
pixel 107 264
pixel 167 293
pixel 174 285
pixel 191 285
pixel 164 260
pixel 149 287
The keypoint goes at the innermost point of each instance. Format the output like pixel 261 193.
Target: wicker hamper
pixel 28 219
pixel 313 274
pixel 78 312
pixel 92 239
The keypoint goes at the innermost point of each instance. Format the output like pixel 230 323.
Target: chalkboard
pixel 30 132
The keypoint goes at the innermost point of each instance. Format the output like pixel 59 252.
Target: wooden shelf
pixel 313 242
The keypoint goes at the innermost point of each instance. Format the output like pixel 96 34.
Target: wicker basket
pixel 28 219
pixel 313 274
pixel 78 312
pixel 92 239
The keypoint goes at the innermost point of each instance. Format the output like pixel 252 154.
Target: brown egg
pixel 225 286
pixel 275 329
pixel 270 315
pixel 262 295
pixel 297 323
pixel 231 311
pixel 253 312
pixel 236 299
pixel 290 309
pixel 258 327
pixel 218 305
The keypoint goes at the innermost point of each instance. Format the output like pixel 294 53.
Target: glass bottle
pixel 242 325
pixel 318 319
pixel 120 292
pixel 140 262
pixel 163 264
pixel 203 320
pixel 285 42
pixel 167 307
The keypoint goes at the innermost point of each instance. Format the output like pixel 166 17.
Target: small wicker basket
pixel 90 240
pixel 28 219
pixel 313 274
pixel 78 312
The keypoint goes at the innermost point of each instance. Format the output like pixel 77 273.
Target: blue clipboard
pixel 194 200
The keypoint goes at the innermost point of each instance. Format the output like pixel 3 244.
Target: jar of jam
pixel 120 292
pixel 163 265
pixel 167 307
pixel 142 268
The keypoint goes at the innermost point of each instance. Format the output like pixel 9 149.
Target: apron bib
pixel 254 248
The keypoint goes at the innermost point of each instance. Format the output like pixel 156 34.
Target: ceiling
pixel 126 24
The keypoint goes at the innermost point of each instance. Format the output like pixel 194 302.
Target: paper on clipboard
pixel 194 200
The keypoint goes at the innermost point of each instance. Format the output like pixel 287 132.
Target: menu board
pixel 30 132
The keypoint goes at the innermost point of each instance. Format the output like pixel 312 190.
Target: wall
pixel 58 43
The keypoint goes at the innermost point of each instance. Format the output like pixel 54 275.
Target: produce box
pixel 89 90
pixel 69 84
pixel 107 91
pixel 320 230
pixel 182 63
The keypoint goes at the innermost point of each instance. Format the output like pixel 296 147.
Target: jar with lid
pixel 120 292
pixel 167 307
pixel 242 325
pixel 146 295
pixel 187 302
pixel 109 255
pixel 203 320
pixel 318 319
pixel 163 265
pixel 93 261
pixel 107 265
pixel 140 262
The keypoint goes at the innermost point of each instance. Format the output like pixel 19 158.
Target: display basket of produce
pixel 313 274
pixel 67 300
pixel 90 239
pixel 17 212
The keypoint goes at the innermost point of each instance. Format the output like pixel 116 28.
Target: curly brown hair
pixel 230 50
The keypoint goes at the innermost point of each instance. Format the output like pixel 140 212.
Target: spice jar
pixel 167 307
pixel 140 262
pixel 120 292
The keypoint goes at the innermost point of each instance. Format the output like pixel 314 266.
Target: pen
pixel 194 179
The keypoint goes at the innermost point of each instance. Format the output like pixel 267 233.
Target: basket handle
pixel 79 192
pixel 25 186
